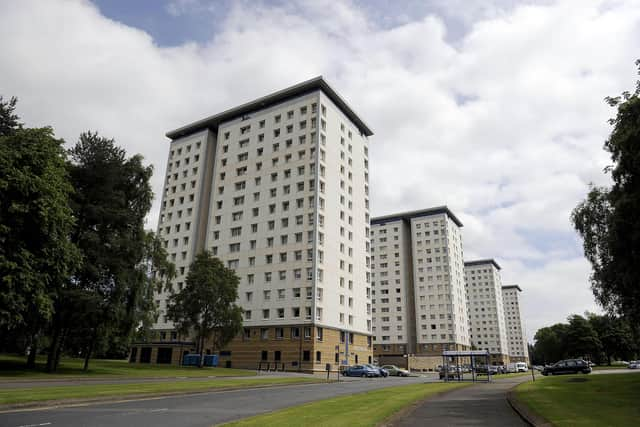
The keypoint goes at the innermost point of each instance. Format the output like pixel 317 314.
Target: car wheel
pixel 363 375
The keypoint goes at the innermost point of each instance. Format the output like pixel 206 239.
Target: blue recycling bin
pixel 211 360
pixel 191 360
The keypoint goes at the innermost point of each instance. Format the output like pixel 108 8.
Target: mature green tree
pixel 608 219
pixel 206 305
pixel 551 343
pixel 112 197
pixel 36 255
pixel 582 338
pixel 9 120
pixel 616 337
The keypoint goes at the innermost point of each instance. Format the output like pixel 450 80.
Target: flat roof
pixel 416 214
pixel 482 262
pixel 512 287
pixel 309 86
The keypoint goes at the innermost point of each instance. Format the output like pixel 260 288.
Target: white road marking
pixel 35 425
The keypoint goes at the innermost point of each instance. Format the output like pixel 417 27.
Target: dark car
pixel 486 370
pixel 569 366
pixel 360 371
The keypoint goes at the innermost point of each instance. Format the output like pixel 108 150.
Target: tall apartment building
pixel 420 306
pixel 278 189
pixel 486 309
pixel 516 336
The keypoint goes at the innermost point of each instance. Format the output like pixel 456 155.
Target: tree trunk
pixel 33 351
pixel 53 347
pixel 63 338
pixel 87 355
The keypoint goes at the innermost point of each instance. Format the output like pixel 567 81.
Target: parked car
pixel 381 372
pixel 486 370
pixel 634 364
pixel 360 371
pixel 568 366
pixel 451 372
pixel 395 371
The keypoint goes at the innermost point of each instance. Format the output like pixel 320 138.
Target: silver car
pixel 395 371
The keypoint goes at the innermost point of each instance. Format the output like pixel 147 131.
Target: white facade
pixel 279 192
pixel 418 271
pixel 440 298
pixel 516 335
pixel 486 308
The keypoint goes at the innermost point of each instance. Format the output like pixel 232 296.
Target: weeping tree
pixel 205 307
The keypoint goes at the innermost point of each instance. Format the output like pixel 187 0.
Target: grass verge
pixel 13 367
pixel 362 409
pixel 607 367
pixel 584 400
pixel 27 395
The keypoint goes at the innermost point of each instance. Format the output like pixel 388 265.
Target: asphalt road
pixel 203 409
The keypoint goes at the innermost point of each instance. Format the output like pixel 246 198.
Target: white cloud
pixel 506 126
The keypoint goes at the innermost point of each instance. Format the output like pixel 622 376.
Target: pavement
pixel 480 405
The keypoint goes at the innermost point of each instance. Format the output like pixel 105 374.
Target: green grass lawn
pixel 605 367
pixel 584 400
pixel 13 367
pixel 25 395
pixel 362 409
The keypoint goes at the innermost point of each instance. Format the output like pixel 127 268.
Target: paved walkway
pixel 479 405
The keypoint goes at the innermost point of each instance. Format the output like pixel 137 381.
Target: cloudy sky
pixel 494 108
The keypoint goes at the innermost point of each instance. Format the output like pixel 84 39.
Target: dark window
pixel 264 355
pixel 164 355
pixel 337 358
pixel 356 358
pixel 369 359
pixel 318 356
pixel 145 355
pixel 306 355
pixel 276 355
